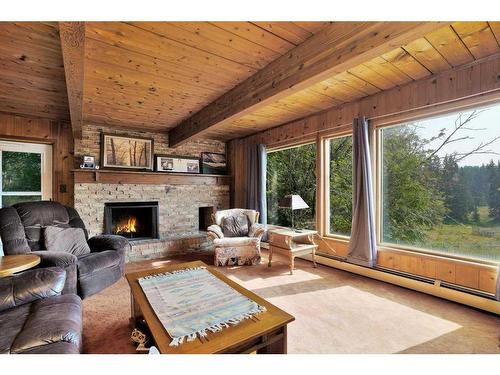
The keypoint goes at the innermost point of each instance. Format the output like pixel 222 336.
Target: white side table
pixel 292 243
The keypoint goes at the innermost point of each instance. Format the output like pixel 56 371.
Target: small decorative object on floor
pixel 139 338
pixel 192 302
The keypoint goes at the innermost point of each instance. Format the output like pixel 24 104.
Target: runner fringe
pixel 176 341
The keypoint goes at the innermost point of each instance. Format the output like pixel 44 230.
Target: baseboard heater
pixel 442 289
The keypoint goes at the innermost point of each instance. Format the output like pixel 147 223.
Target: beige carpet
pixel 335 311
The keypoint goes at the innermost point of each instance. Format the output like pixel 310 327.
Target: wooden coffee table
pixel 10 264
pixel 266 334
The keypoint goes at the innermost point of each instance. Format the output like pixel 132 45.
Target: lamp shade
pixel 292 201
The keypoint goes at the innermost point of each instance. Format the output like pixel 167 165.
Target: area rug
pixel 192 302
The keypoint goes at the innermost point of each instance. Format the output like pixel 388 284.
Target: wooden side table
pixel 10 264
pixel 292 243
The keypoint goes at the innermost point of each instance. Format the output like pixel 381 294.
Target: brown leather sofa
pixel 35 318
pixel 21 231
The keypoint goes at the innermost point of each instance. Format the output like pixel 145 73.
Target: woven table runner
pixel 192 302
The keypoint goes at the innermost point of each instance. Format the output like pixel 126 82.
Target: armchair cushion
pixel 30 285
pixel 236 241
pixel 235 225
pixel 68 240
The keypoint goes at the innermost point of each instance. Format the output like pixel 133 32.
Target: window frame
pixel 377 161
pixel 45 150
pixel 325 141
pixel 299 143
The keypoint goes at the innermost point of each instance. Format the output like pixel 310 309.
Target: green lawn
pixel 479 240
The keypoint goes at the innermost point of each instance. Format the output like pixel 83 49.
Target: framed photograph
pixel 179 164
pixel 213 163
pixel 123 152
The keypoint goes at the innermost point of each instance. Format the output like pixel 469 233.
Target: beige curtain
pixel 363 242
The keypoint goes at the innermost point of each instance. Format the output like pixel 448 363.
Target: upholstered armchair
pixel 22 230
pixel 236 235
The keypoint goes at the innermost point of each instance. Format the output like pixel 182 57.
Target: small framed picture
pixel 123 152
pixel 213 163
pixel 179 164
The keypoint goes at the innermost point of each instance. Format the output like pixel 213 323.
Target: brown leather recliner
pixel 35 318
pixel 21 231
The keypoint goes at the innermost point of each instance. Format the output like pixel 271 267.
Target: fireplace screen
pixel 134 220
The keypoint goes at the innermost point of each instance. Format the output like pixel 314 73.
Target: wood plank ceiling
pixel 454 45
pixel 153 75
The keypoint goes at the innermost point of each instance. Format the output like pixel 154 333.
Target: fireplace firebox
pixel 134 220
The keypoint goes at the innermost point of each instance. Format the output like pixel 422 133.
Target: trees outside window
pixel 292 171
pixel 340 185
pixel 441 185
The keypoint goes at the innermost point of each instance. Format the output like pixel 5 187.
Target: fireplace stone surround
pixel 178 205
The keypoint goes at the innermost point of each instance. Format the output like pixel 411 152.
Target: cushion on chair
pixel 236 241
pixel 95 262
pixel 67 240
pixel 235 225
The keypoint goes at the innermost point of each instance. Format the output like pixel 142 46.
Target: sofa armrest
pixel 108 242
pixel 31 285
pixel 257 230
pixel 214 232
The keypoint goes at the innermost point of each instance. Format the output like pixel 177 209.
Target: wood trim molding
pixel 103 176
pixel 72 36
pixel 335 49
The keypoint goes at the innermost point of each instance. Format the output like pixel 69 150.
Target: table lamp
pixel 293 202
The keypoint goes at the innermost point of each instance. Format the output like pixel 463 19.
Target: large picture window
pixel 441 184
pixel 340 182
pixel 292 171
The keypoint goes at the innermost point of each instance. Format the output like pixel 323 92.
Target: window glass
pixel 441 184
pixel 292 171
pixel 341 185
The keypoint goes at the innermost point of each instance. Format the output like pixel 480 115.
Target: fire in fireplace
pixel 134 220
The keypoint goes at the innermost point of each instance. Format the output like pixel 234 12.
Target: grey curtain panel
pixel 256 180
pixel 363 244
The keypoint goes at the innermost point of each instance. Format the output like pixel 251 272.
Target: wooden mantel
pixel 106 176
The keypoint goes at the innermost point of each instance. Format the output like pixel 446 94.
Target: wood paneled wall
pixel 472 84
pixel 59 135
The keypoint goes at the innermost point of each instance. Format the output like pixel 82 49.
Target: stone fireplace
pixel 184 203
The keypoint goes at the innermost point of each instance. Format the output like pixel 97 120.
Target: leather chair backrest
pixel 21 225
pixel 253 216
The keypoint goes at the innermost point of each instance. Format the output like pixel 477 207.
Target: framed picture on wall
pixel 123 152
pixel 179 164
pixel 213 163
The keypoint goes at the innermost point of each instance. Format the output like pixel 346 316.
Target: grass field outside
pixel 476 240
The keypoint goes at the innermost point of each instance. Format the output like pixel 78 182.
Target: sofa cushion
pixel 95 262
pixel 30 285
pixel 61 347
pixel 51 320
pixel 67 240
pixel 235 225
pixel 11 323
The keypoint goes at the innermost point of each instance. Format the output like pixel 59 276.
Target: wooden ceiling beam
pixel 72 36
pixel 333 50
